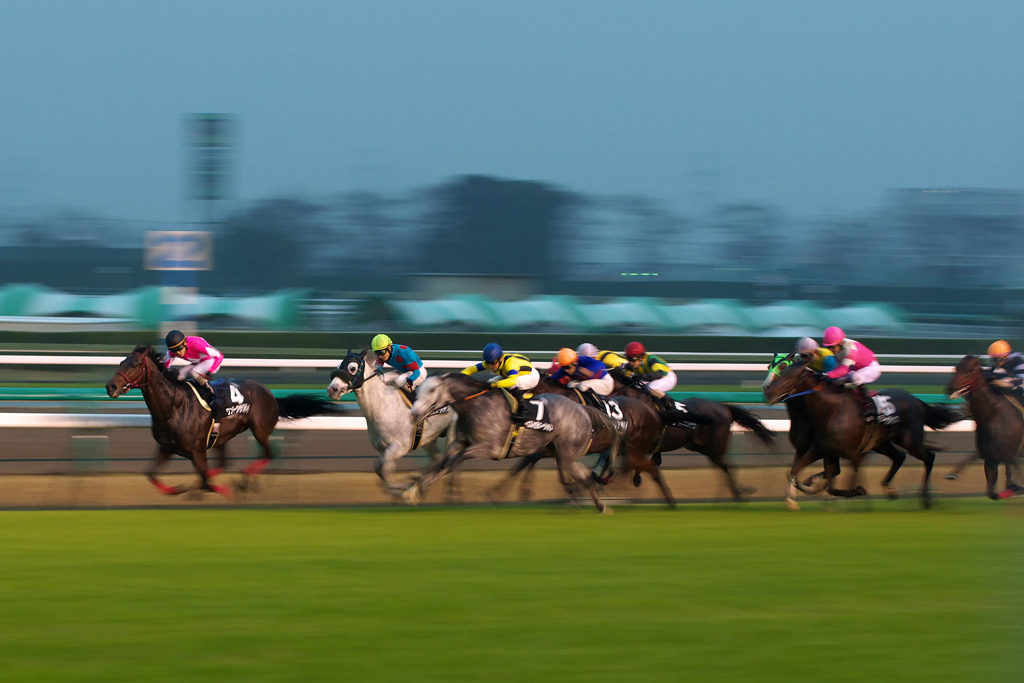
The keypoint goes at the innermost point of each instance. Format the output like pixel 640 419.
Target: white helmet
pixel 806 345
pixel 586 349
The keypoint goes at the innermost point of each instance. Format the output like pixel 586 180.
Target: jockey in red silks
pixel 856 363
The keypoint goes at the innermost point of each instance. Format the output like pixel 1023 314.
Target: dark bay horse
pixel 181 425
pixel 838 429
pixel 640 434
pixel 999 435
pixel 699 425
pixel 801 430
pixel 484 429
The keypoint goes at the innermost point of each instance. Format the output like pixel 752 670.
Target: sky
pixel 814 107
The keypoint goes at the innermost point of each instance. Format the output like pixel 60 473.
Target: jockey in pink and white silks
pixel 854 359
pixel 856 363
pixel 203 359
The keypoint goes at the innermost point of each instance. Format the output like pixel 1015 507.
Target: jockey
pixel 513 373
pixel 652 371
pixel 1007 371
pixel 817 358
pixel 585 372
pixel 411 371
pixel 203 360
pixel 856 364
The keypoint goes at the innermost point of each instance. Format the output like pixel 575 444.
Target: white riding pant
pixel 200 368
pixel 599 385
pixel 867 374
pixel 400 378
pixel 524 382
pixel 664 384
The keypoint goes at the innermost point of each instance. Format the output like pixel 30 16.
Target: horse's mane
pixel 158 359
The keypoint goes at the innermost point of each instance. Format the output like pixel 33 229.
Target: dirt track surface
pixel 362 488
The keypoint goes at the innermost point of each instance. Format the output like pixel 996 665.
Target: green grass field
pixel 867 591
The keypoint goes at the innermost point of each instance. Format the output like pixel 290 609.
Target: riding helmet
pixel 380 342
pixel 492 353
pixel 635 348
pixel 566 357
pixel 587 349
pixel 833 336
pixel 175 340
pixel 806 345
pixel 999 348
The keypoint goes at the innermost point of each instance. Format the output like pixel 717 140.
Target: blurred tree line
pixel 568 241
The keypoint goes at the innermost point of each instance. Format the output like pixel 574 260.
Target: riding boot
pixel 208 393
pixel 867 406
pixel 519 415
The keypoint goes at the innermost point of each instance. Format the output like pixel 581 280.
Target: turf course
pixel 865 591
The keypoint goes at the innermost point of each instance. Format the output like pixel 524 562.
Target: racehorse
pixel 801 436
pixel 699 425
pixel 642 430
pixel 484 429
pixel 838 429
pixel 999 434
pixel 389 424
pixel 182 425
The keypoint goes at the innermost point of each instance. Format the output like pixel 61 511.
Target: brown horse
pixel 699 425
pixel 999 435
pixel 838 429
pixel 182 425
pixel 641 432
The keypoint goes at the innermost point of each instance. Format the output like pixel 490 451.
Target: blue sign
pixel 179 250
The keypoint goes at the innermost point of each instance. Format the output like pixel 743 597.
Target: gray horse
pixel 389 423
pixel 484 429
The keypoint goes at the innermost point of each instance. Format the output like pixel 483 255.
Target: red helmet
pixel 635 348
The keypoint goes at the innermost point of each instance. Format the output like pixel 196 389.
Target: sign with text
pixel 179 250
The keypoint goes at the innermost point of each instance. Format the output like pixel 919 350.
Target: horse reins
pixel 133 384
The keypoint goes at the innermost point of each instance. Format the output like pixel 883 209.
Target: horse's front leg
pixel 897 458
pixel 832 471
pixel 163 454
pixel 387 465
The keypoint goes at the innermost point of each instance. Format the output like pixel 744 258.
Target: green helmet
pixel 380 342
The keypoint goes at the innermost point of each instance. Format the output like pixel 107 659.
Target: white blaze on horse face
pixel 337 387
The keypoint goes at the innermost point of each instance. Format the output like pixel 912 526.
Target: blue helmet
pixel 492 353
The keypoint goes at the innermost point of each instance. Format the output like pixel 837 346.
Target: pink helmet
pixel 833 336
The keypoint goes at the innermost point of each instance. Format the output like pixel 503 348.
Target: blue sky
pixel 814 107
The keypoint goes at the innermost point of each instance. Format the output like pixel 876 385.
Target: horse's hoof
pixel 637 480
pixel 411 495
pixel 891 493
pixel 952 476
pixel 860 491
pixel 792 505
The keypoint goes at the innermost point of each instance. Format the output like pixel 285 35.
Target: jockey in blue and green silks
pixel 411 371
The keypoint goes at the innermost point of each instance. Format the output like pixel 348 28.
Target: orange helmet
pixel 565 357
pixel 999 348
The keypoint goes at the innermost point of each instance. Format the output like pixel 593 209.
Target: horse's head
pixel 793 379
pixel 779 362
pixel 431 395
pixel 137 370
pixel 349 375
pixel 967 376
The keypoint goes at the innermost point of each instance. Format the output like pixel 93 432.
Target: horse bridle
pixel 360 378
pixel 136 383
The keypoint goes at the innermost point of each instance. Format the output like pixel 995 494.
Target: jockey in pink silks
pixel 203 359
pixel 856 362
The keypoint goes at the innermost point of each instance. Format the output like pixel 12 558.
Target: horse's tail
pixel 295 406
pixel 941 416
pixel 745 418
pixel 675 416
